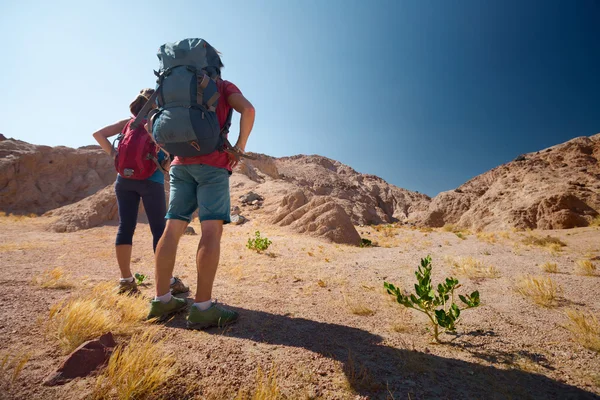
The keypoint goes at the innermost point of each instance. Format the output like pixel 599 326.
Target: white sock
pixel 130 279
pixel 165 298
pixel 203 305
pixel 172 280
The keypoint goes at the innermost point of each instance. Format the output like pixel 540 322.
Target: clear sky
pixel 425 94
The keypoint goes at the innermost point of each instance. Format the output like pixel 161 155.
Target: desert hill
pixel 555 188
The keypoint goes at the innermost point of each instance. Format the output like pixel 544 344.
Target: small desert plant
pixel 542 290
pixel 53 279
pixel 550 267
pixel 460 235
pixel 139 278
pixel 473 268
pixel 365 242
pixel 586 268
pixel 440 308
pixel 585 329
pixel 136 370
pixel 258 244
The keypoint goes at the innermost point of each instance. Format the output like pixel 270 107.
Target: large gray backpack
pixel 185 123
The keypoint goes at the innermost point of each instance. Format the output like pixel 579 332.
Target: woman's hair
pixel 140 101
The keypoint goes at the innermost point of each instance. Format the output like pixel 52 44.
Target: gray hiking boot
pixel 179 287
pixel 214 316
pixel 128 288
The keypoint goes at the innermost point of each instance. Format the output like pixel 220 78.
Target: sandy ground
pixel 297 305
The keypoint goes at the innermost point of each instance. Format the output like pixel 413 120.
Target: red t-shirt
pixel 217 158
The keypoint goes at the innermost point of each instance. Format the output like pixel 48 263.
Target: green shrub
pixel 258 244
pixel 440 307
pixel 365 242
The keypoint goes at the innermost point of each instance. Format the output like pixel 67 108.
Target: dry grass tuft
pixel 84 317
pixel 585 268
pixel 137 370
pixel 472 268
pixel 357 308
pixel 54 279
pixel 15 217
pixel 550 242
pixel 358 376
pixel 550 267
pixel 595 221
pixel 585 329
pixel 541 290
pixel 488 237
pixel 266 388
pixel 16 364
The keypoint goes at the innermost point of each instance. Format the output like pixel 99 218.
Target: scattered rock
pixel 189 231
pixel 235 210
pixel 237 219
pixel 520 158
pixel 250 197
pixel 83 360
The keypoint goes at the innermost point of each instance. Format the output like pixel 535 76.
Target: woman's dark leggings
pixel 129 192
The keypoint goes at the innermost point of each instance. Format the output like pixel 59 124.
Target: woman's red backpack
pixel 136 153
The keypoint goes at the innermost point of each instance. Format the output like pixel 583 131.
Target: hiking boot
pixel 161 310
pixel 179 287
pixel 214 316
pixel 128 288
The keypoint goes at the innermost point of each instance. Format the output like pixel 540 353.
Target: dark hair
pixel 140 101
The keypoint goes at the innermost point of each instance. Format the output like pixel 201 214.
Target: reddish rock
pixel 84 360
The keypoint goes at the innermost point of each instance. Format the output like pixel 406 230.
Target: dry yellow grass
pixel 585 268
pixel 16 364
pixel 54 279
pixel 357 308
pixel 541 290
pixel 595 221
pixel 472 268
pixel 6 247
pixel 489 237
pixel 136 370
pixel 16 218
pixel 549 267
pixel 552 243
pixel 585 329
pixel 358 376
pixel 266 387
pixel 83 317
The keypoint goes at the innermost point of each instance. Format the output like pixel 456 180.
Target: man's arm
pixel 246 109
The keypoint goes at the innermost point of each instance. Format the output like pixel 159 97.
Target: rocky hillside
pixel 555 188
pixel 35 179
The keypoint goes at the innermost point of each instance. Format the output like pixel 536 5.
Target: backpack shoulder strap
pixel 144 111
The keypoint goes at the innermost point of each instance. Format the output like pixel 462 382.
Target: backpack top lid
pixel 193 52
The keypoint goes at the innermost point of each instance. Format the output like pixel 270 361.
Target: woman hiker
pixel 130 190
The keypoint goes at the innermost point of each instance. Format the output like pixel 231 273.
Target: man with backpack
pixel 191 122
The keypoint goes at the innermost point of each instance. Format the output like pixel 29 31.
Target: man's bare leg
pixel 166 253
pixel 207 258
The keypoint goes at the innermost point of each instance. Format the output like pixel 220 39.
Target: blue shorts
pixel 201 187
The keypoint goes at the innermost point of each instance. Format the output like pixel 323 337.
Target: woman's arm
pixel 103 134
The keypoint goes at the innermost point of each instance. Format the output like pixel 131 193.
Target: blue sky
pixel 425 94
